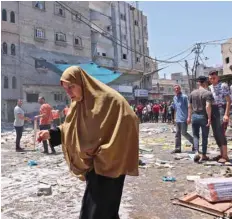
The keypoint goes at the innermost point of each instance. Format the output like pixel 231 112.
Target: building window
pixel 161 88
pixel 147 64
pixel 4 48
pixel 59 10
pixel 137 59
pixel 4 15
pixel 103 54
pixel 123 17
pixel 136 23
pixel 12 49
pixel 39 63
pixel 58 97
pixel 137 41
pixel 14 82
pixel 12 17
pixel 77 41
pixel 60 37
pixel 227 60
pixel 40 5
pixel 32 98
pixel 6 82
pixel 40 33
pixel 124 56
pixel 145 29
pixel 124 36
pixel 108 28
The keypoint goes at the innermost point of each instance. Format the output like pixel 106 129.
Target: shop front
pixel 141 95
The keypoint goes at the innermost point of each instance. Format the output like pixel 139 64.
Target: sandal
pixel 223 160
pixel 204 159
pixel 217 158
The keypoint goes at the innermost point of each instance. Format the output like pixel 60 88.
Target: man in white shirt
pixel 19 123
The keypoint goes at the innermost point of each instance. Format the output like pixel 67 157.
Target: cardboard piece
pixel 194 201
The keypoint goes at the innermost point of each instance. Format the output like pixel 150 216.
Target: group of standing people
pixel 153 112
pixel 207 106
pixel 47 117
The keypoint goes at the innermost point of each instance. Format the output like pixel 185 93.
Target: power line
pixel 213 41
pixel 104 33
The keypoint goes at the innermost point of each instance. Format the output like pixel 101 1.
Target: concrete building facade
pixel 124 46
pixel 39 30
pixel 226 50
pixel 34 31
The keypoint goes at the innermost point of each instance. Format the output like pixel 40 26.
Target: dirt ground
pixel 144 197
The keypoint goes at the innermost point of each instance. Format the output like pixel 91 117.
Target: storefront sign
pixel 141 93
pixel 122 88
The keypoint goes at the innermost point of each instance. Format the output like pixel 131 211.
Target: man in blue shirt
pixel 180 102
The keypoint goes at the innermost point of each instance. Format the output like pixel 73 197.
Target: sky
pixel 175 26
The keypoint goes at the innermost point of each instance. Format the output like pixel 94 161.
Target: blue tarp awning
pixel 102 74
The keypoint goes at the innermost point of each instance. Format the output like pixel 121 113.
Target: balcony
pixel 99 18
pixel 98 39
pixel 104 61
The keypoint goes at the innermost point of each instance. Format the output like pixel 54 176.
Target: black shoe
pixel 19 149
pixel 176 151
pixel 53 152
pixel 141 163
pixel 196 158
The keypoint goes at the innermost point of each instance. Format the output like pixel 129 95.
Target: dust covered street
pixel 48 190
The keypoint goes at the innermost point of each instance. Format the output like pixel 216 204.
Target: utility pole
pixel 197 50
pixel 187 71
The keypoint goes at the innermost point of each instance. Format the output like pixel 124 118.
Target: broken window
pixel 12 49
pixel 6 82
pixel 39 5
pixel 137 59
pixel 59 10
pixel 32 98
pixel 227 60
pixel 136 23
pixel 60 37
pixel 4 15
pixel 124 56
pixel 4 48
pixel 14 82
pixel 103 54
pixel 77 41
pixel 12 17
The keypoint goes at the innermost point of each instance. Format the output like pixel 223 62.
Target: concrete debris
pixel 44 190
pixel 192 178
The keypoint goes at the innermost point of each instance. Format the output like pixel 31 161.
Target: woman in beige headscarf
pixel 100 142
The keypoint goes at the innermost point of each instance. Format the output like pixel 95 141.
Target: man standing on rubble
pixel 45 121
pixel 19 123
pixel 199 112
pixel 181 111
pixel 220 114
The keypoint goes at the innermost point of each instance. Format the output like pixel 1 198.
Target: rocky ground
pixel 48 191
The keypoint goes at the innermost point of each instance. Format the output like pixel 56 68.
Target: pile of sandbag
pixel 214 189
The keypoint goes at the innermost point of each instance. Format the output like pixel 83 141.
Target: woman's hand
pixel 43 135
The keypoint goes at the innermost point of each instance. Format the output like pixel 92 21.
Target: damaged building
pixel 40 32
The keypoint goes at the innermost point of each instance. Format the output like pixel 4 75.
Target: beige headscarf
pixel 101 131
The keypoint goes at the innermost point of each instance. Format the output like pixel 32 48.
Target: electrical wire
pixel 112 38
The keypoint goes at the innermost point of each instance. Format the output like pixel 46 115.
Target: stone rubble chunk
pixel 44 190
